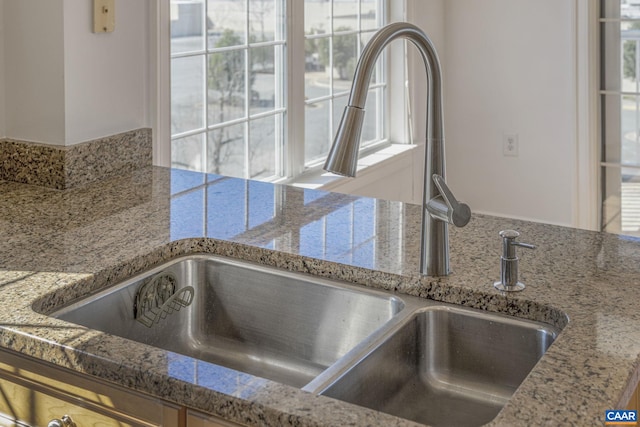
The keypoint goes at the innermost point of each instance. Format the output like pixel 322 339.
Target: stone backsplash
pixel 64 167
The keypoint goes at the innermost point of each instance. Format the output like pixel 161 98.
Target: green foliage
pixel 226 70
pixel 345 50
pixel 629 55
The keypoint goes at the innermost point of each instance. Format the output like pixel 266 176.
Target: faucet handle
pixel 458 213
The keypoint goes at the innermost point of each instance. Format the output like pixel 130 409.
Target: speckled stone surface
pixel 59 245
pixel 62 167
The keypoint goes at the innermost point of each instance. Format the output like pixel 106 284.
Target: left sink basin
pixel 283 326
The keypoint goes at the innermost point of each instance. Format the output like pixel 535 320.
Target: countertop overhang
pixel 59 245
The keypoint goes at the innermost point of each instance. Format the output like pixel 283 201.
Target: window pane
pixel 621 56
pixel 188 26
pixel 345 15
pixel 621 201
pixel 370 14
pixel 370 130
pixel 630 35
pixel 225 91
pixel 612 128
pixel 187 94
pixel 331 60
pixel 621 129
pixel 316 141
pixel 226 151
pixel 345 58
pixel 226 18
pixel 187 153
pixel 264 81
pixel 620 116
pixel 317 15
pixel 264 21
pixel 316 77
pixel 616 9
pixel 339 105
pixel 226 82
pixel 262 147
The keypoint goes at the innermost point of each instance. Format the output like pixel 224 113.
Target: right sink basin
pixel 446 366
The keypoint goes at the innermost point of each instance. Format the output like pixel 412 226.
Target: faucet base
pixel 509 288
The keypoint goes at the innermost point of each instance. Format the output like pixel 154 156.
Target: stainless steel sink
pixel 266 322
pixel 418 359
pixel 446 366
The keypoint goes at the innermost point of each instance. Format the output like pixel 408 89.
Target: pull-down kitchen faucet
pixel 439 206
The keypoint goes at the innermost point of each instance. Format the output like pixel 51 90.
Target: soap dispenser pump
pixel 509 262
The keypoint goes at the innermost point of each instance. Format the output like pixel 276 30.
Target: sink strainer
pixel 158 297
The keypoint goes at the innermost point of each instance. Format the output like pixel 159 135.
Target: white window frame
pixel 294 134
pixel 588 194
pixel 616 211
pixel 160 82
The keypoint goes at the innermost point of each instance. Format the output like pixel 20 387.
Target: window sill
pixel 371 167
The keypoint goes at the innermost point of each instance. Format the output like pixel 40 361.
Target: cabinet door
pixel 21 404
pixel 195 419
pixel 33 394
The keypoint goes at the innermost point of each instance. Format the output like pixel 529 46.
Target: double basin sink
pixel 425 361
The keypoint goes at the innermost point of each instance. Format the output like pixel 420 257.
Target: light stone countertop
pixel 59 245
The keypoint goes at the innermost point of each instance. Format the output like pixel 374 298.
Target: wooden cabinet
pixel 33 394
pixel 195 419
pixel 634 403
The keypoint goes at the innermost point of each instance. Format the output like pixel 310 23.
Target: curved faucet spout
pixel 343 156
pixel 369 57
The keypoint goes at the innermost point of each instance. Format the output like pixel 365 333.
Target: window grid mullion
pixel 188 54
pixel 247 91
pixel 295 89
pixel 332 106
pixel 205 137
pixel 342 94
pixel 284 108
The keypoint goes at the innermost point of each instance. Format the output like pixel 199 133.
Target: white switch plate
pixel 104 16
pixel 510 144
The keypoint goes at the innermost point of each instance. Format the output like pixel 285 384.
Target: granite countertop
pixel 59 245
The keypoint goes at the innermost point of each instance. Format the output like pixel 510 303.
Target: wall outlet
pixel 104 16
pixel 510 144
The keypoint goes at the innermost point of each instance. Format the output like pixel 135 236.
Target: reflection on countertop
pixel 59 245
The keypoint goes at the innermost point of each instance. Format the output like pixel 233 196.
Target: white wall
pixel 509 68
pixel 67 85
pixel 34 70
pixel 106 75
pixel 2 94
